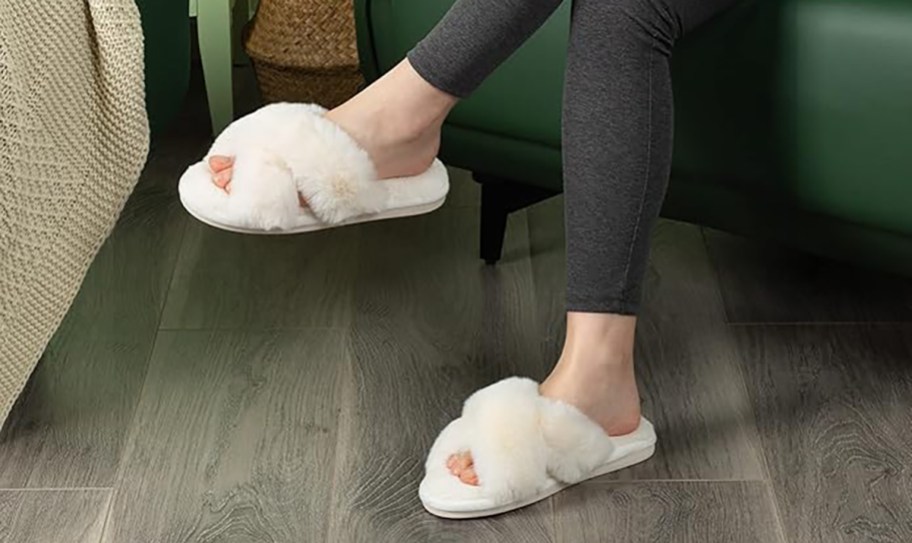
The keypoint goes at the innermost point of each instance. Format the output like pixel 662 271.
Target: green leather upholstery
pixel 166 29
pixel 793 118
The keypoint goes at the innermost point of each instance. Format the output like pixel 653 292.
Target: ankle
pixel 417 95
pixel 591 356
pixel 599 340
pixel 384 121
pixel 596 357
pixel 404 99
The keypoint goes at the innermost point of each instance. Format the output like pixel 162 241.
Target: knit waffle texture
pixel 74 137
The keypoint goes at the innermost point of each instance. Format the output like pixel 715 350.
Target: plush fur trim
pixel 439 484
pixel 518 439
pixel 263 190
pixel 283 145
pixel 507 446
pixel 576 444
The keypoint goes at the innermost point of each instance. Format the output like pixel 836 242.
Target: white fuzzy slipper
pixel 285 149
pixel 525 447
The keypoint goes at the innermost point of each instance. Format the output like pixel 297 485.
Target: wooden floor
pixel 211 387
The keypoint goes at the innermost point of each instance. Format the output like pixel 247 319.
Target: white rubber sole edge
pixel 631 459
pixel 397 213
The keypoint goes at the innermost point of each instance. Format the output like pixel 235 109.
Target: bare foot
pixel 397 120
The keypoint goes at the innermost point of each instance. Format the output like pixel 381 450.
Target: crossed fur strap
pixel 519 439
pixel 299 150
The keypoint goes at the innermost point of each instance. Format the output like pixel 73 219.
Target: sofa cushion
pixel 804 102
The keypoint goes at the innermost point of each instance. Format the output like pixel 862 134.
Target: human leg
pixel 617 145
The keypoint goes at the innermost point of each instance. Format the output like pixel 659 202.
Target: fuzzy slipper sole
pixel 309 222
pixel 389 214
pixel 467 512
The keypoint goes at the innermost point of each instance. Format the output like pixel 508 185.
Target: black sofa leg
pixel 499 198
pixel 494 213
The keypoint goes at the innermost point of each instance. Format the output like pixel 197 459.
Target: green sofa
pixel 793 122
pixel 166 29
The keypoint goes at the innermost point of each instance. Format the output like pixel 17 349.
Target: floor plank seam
pixel 757 437
pixel 653 481
pixel 751 416
pixel 343 431
pixel 107 517
pixel 267 329
pixel 714 270
pixel 59 489
pixel 899 324
pixel 777 514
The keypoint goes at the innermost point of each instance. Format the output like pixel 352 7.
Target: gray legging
pixel 617 120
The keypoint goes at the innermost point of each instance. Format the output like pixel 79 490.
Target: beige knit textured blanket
pixel 73 139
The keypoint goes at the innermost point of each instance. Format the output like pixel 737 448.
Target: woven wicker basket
pixel 304 51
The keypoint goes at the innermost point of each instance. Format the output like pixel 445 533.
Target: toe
pixel 458 462
pixel 218 163
pixel 222 178
pixel 469 477
pixel 463 462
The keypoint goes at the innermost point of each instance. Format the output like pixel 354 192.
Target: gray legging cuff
pixel 423 63
pixel 618 307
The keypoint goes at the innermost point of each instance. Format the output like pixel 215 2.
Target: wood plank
pixel 228 281
pixel 52 516
pixel 834 409
pixel 687 363
pixel 432 325
pixel 767 283
pixel 234 439
pixel 680 512
pixel 68 428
